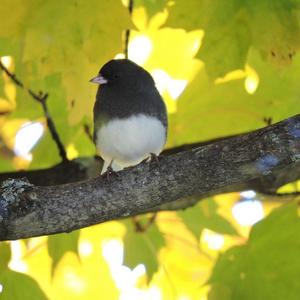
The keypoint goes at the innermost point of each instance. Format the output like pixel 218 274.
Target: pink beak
pixel 99 79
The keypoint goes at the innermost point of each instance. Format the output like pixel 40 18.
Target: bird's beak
pixel 99 79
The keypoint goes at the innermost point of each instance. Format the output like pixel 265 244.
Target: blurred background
pixel 223 68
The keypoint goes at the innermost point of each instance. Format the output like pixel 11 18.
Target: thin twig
pixel 88 132
pixel 34 249
pixel 278 197
pixel 282 195
pixel 41 97
pixel 127 33
pixel 139 227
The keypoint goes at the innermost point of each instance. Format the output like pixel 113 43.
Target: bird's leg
pixel 154 157
pixel 153 160
pixel 109 171
pixel 151 157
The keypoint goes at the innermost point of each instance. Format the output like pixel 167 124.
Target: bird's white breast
pixel 131 140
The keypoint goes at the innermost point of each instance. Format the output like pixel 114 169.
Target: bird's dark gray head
pixel 122 72
pixel 126 89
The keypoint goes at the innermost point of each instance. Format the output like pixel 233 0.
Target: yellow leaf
pixel 5 107
pixel 71 151
pixel 9 130
pixel 10 91
pixel 21 163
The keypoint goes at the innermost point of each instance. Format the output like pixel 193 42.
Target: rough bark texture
pixel 261 160
pixel 66 172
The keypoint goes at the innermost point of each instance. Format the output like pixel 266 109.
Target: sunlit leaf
pixel 45 153
pixel 231 27
pixel 142 247
pixel 152 6
pixel 239 62
pixel 1 86
pixel 186 14
pixel 9 129
pixel 60 244
pixel 266 266
pixel 5 107
pixel 204 102
pixel 280 44
pixel 5 159
pixel 5 255
pixel 17 286
pixel 205 215
pixel 16 10
pixel 225 44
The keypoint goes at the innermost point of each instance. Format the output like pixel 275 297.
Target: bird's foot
pixel 154 158
pixel 110 172
pixel 153 161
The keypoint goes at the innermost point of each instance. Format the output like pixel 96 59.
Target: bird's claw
pixel 110 172
pixel 154 158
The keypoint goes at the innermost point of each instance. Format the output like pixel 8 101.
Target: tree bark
pixel 262 160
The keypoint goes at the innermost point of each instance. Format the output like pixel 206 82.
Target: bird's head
pixel 122 72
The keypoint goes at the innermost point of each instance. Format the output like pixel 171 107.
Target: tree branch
pixel 127 32
pixel 72 171
pixel 42 99
pixel 84 168
pixel 271 154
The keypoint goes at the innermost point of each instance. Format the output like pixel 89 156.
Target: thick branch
pixel 67 172
pixel 27 210
pixel 85 168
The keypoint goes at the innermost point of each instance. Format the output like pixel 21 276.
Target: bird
pixel 130 116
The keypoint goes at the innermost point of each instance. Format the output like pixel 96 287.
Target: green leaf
pixel 74 42
pixel 28 107
pixel 226 43
pixel 7 46
pixel 5 163
pixel 205 215
pixel 233 26
pixel 151 6
pixel 186 14
pixel 83 143
pixel 275 29
pixel 5 255
pixel 1 87
pixel 17 286
pixel 208 110
pixel 227 32
pixel 59 244
pixel 142 247
pixel 45 153
pixel 16 10
pixel 267 267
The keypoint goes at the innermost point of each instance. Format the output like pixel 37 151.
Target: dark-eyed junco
pixel 130 119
